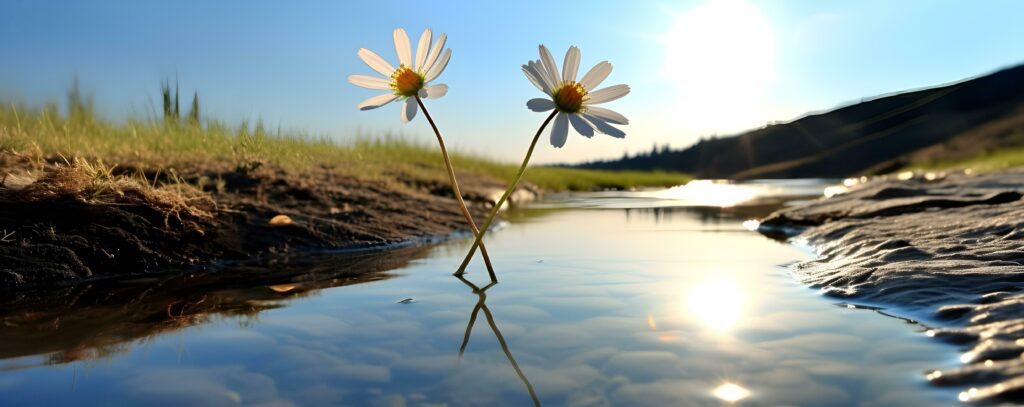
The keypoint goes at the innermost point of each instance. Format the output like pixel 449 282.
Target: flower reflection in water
pixel 717 303
pixel 482 306
pixel 730 392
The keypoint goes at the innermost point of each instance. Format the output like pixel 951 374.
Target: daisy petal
pixel 596 75
pixel 604 127
pixel 370 82
pixel 540 72
pixel 434 91
pixel 376 62
pixel 527 72
pixel 560 130
pixel 540 105
pixel 549 66
pixel 536 77
pixel 438 67
pixel 607 115
pixel 608 94
pixel 581 126
pixel 435 51
pixel 377 101
pixel 422 50
pixel 571 64
pixel 409 110
pixel 402 47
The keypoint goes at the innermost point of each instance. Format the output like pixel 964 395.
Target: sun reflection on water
pixel 711 193
pixel 717 303
pixel 730 392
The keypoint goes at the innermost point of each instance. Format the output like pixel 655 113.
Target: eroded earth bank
pixel 64 222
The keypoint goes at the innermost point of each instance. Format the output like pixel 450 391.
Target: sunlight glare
pixel 834 190
pixel 717 303
pixel 721 58
pixel 730 392
pixel 711 193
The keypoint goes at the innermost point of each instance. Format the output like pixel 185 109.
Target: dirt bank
pixel 950 247
pixel 66 221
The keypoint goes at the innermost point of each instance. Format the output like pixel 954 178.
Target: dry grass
pixel 42 133
pixel 95 182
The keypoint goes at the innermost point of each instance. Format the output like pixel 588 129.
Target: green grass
pixel 999 159
pixel 156 143
pixel 575 179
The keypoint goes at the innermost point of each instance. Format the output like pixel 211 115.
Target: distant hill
pixel 877 135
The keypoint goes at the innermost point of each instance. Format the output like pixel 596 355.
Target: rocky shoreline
pixel 64 222
pixel 950 247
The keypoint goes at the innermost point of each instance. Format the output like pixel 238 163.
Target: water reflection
pixel 640 312
pixel 107 318
pixel 704 192
pixel 481 305
pixel 717 303
pixel 707 215
pixel 730 392
pixel 700 193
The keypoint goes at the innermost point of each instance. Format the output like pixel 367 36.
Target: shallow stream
pixel 647 298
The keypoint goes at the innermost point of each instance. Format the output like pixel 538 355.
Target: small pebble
pixel 280 220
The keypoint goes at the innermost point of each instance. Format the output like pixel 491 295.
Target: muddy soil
pixel 949 249
pixel 61 225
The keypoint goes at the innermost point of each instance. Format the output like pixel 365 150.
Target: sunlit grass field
pixel 161 143
pixel 996 160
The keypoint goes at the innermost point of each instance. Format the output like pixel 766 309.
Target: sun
pixel 721 58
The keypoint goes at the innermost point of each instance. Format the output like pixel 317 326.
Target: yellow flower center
pixel 406 82
pixel 570 97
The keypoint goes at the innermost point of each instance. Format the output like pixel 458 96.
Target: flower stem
pixel 456 190
pixel 504 197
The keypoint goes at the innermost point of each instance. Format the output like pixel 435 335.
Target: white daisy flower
pixel 573 103
pixel 575 100
pixel 410 80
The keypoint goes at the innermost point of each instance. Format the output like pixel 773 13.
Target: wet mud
pixel 949 247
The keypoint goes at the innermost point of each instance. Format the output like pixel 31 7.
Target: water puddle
pixel 629 298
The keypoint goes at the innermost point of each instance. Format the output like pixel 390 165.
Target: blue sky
pixel 696 67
